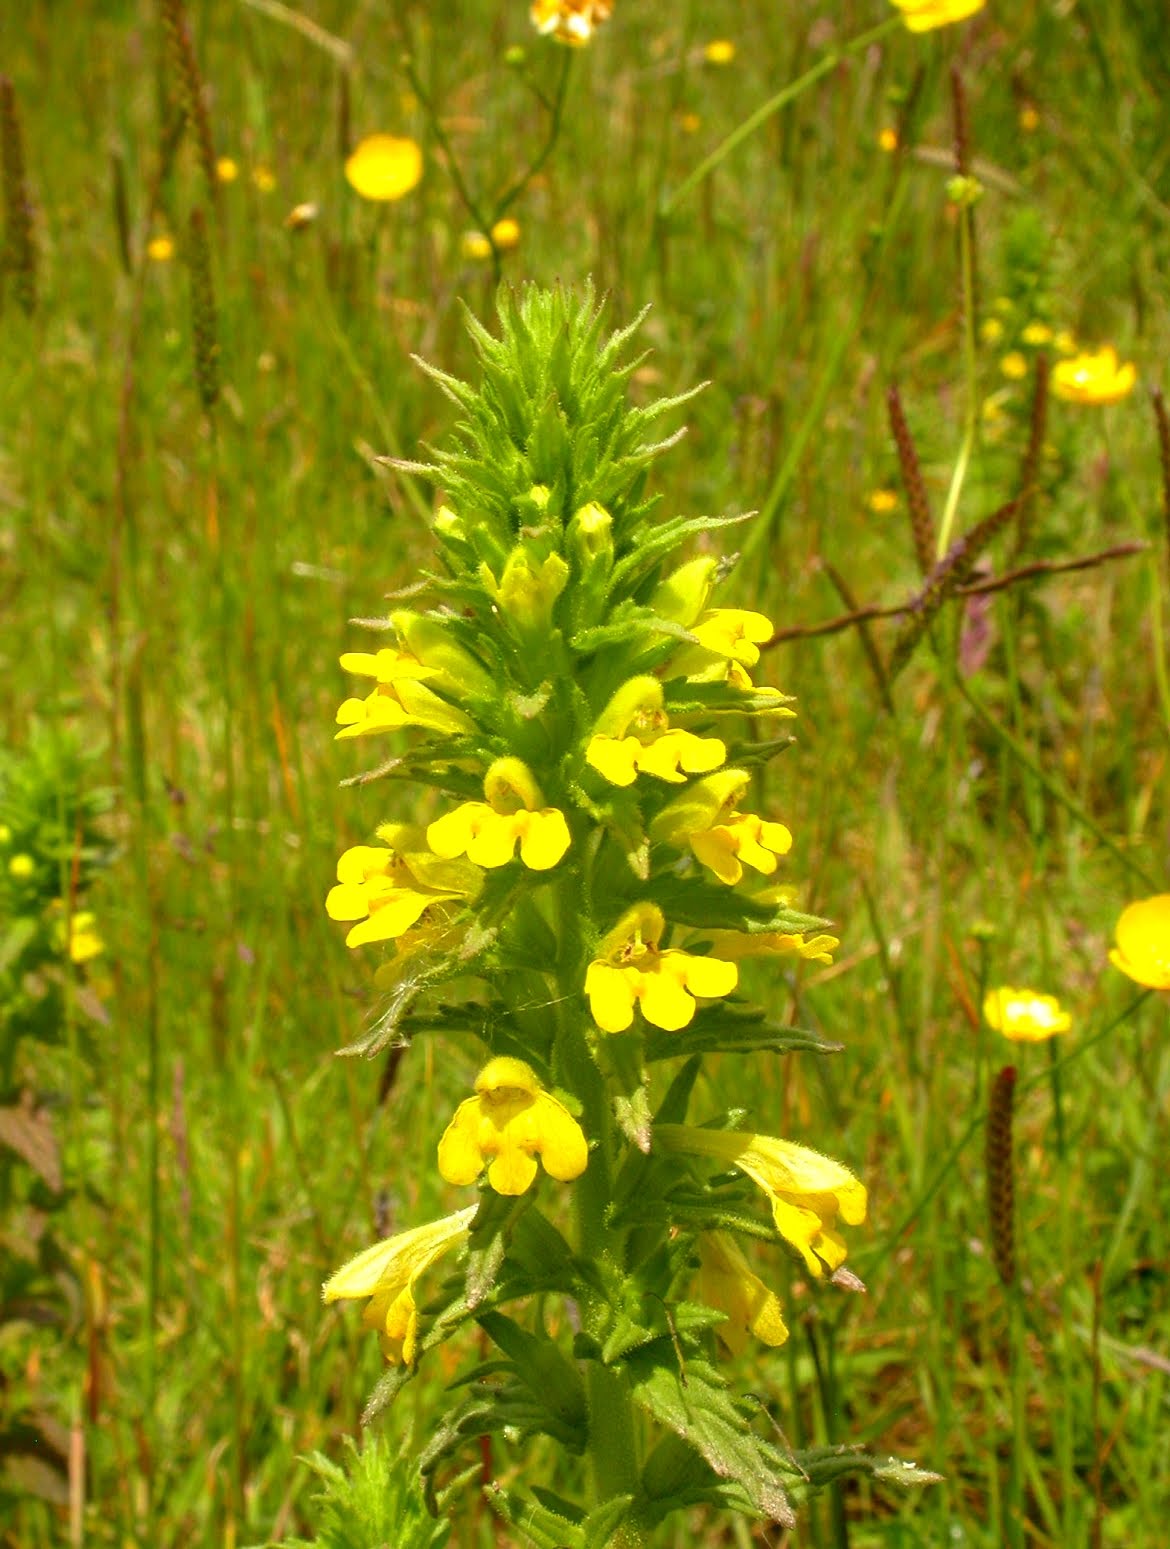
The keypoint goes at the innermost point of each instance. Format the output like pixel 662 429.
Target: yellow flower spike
pixel 631 971
pixel 807 1191
pixel 728 1283
pixel 569 21
pixel 1143 942
pixel 511 1120
pixel 387 890
pixel 926 15
pixel 488 832
pixel 384 168
pixel 387 1274
pixel 722 840
pixel 1094 377
pixel 1024 1016
pixel 633 735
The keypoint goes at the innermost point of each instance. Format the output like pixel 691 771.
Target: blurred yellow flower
pixel 383 167
pixel 84 941
pixel 631 970
pixel 808 1191
pixel 720 51
pixel 728 1283
pixel 1094 378
pixel 721 838
pixel 487 832
pixel 1028 118
pixel 882 501
pixel 1066 342
pixel 387 1273
pixel 569 21
pixel 1037 334
pixel 5 834
pixel 926 15
pixel 1024 1016
pixel 506 233
pixel 1014 366
pixel 690 123
pixel 227 170
pixel 263 179
pixel 887 139
pixel 473 244
pixel 160 249
pixel 991 330
pixel 1143 942
pixel 387 890
pixel 21 867
pixel 511 1120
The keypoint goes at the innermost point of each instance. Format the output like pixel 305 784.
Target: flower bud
pixel 431 640
pixel 589 540
pixel 528 589
pixel 683 595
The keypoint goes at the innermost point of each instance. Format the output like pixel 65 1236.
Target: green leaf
pixel 540 1525
pixel 733 1028
pixel 659 541
pixel 629 623
pixel 600 1525
pixel 701 1412
pixel 553 1381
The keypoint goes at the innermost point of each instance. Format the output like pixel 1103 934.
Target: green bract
pixel 584 731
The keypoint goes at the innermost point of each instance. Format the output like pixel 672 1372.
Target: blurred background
pixel 205 351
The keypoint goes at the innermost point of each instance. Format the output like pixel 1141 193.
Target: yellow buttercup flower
pixel 1143 942
pixel 514 813
pixel 632 971
pixel 511 1120
pixel 160 249
pixel 506 233
pixel 720 51
pixel 21 867
pixel 926 15
pixel 263 179
pixel 1024 1016
pixel 1093 377
pixel 387 1274
pixel 384 167
pixel 227 170
pixel 1037 334
pixel 887 139
pixel 388 889
pixel 808 1191
pixel 728 1283
pixel 1014 365
pixel 721 838
pixel 569 21
pixel 882 501
pixel 400 699
pixel 633 736
pixel 474 245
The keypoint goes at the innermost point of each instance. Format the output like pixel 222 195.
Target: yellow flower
pixel 84 941
pixel 263 179
pixel 737 945
pixel 474 245
pixel 388 889
pixel 807 1191
pixel 1024 1016
pixel 506 233
pixel 888 139
pixel 690 123
pixel 1093 378
pixel 1014 366
pixel 383 167
pixel 926 15
pixel 1066 342
pixel 632 971
pixel 160 249
pixel 991 330
pixel 1028 118
pixel 569 21
pixel 882 501
pixel 633 736
pixel 227 170
pixel 488 832
pixel 727 1283
pixel 387 1274
pixel 400 699
pixel 723 840
pixel 733 633
pixel 512 1120
pixel 1037 334
pixel 5 834
pixel 720 51
pixel 1143 942
pixel 21 867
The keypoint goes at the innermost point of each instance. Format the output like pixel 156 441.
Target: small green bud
pixel 965 192
pixel 527 591
pixel 430 639
pixel 683 595
pixel 449 526
pixel 590 534
pixel 516 56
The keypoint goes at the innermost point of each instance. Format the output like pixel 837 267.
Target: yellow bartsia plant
pixel 584 877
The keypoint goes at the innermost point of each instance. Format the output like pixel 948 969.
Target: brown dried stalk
pixel 205 343
pixel 1001 1211
pixel 1033 453
pixel 1163 423
pixel 192 97
pixel 20 255
pixel 921 524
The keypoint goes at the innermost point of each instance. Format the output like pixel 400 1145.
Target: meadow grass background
pixel 177 587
